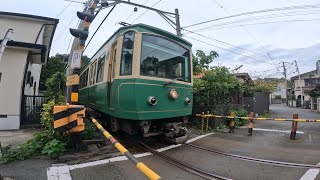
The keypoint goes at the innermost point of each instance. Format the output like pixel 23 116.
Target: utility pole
pixel 178 28
pixel 3 44
pixel 301 90
pixel 286 83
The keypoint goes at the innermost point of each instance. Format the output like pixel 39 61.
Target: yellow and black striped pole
pixel 251 117
pixel 207 124
pixel 202 122
pixel 232 118
pixel 142 167
pixel 87 17
pixel 294 127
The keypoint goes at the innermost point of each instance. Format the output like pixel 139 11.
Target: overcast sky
pixel 244 40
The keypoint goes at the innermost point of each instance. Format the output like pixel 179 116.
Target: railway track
pixel 257 160
pixel 182 165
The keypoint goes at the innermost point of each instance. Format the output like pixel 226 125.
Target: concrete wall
pixel 12 68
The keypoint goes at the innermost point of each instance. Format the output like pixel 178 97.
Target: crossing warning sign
pixel 76 59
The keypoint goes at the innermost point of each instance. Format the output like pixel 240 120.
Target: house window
pixel 31 81
pixel 127 53
pixel 28 77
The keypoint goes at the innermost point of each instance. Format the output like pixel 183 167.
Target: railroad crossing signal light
pixel 87 17
pixel 81 34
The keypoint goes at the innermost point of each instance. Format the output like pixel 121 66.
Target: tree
pixel 54 65
pixel 201 61
pixel 216 86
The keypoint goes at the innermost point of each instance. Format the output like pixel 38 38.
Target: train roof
pixel 146 28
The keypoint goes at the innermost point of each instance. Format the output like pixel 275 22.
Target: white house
pixel 307 82
pixel 20 65
pixel 278 96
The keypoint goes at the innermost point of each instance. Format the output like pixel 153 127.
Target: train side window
pixel 84 79
pixel 127 53
pixel 100 72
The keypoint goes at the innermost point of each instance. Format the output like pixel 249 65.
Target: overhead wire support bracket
pixel 143 6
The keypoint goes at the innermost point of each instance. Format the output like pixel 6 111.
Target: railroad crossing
pixel 269 142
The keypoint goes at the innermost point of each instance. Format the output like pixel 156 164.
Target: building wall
pixel 12 68
pixel 23 30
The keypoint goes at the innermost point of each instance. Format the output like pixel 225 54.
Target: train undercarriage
pixel 173 130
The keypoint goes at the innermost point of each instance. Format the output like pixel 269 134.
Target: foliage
pixel 315 92
pixel 91 131
pixel 216 86
pixel 51 84
pixel 32 147
pixel 266 115
pixel 54 148
pixel 262 85
pixel 201 61
pixel 54 65
pixel 240 112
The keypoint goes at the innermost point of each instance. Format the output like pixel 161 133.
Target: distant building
pixel 21 63
pixel 308 81
pixel 278 96
pixel 244 78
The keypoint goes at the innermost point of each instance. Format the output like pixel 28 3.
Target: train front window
pixel 165 59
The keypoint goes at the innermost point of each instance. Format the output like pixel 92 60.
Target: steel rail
pixel 257 160
pixel 184 166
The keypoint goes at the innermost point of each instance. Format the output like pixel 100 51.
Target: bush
pixel 240 112
pixel 54 148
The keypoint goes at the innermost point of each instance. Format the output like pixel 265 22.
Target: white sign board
pixel 76 59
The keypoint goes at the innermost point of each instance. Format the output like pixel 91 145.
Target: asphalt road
pixel 263 144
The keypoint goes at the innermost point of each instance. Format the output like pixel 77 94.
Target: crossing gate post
pixel 250 129
pixel 202 122
pixel 207 123
pixel 294 127
pixel 232 117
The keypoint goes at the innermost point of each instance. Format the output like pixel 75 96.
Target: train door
pixel 111 74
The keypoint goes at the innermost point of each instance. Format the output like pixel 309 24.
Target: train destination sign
pixel 76 59
pixel 72 80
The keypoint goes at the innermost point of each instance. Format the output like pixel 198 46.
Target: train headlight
pixel 187 100
pixel 152 100
pixel 173 94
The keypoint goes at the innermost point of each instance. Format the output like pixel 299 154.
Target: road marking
pixel 59 171
pixel 310 174
pixel 62 171
pixel 276 130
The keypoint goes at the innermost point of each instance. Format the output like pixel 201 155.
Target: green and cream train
pixel 141 80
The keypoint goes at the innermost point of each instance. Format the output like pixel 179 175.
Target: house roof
pixel 304 75
pixel 245 76
pixel 23 16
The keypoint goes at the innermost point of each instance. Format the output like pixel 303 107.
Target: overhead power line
pixel 145 11
pixel 242 50
pixel 234 52
pixel 64 9
pixel 134 12
pixel 258 12
pixel 253 24
pixel 99 27
pixel 250 34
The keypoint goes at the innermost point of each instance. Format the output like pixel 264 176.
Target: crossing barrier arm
pixel 142 167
